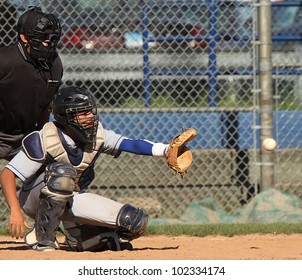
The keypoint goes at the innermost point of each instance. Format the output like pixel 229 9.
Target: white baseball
pixel 269 144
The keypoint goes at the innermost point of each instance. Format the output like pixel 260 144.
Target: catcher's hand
pixel 178 156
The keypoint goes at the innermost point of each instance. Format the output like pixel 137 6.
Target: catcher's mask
pixel 42 32
pixel 75 111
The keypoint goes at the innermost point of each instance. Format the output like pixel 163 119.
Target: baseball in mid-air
pixel 269 144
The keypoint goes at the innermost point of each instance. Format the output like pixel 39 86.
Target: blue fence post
pixel 146 65
pixel 212 64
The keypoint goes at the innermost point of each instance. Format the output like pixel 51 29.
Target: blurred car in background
pixel 92 27
pixel 233 26
pixel 108 37
pixel 92 37
pixel 286 18
pixel 287 25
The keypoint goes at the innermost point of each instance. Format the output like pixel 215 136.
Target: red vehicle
pixel 92 38
pixel 96 28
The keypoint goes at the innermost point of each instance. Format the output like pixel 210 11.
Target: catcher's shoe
pixel 95 239
pixel 69 240
pixel 105 243
pixel 121 246
pixel 44 248
pixel 31 241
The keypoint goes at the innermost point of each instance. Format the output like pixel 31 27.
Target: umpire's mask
pixel 42 32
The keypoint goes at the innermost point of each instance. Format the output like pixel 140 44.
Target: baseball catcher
pixel 56 165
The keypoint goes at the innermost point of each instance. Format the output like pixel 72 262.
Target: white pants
pixel 86 208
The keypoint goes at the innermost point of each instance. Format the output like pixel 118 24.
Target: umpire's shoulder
pixel 8 55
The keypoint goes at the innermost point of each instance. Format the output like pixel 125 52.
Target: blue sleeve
pixel 140 147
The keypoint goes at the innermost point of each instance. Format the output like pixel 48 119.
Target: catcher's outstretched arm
pixel 143 147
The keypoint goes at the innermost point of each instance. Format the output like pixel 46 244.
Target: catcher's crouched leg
pixel 131 224
pixel 59 185
pixel 96 239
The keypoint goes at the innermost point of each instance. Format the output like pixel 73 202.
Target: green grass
pixel 3 231
pixel 218 229
pixel 162 101
pixel 225 229
pixel 230 100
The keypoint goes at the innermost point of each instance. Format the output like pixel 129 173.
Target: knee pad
pixel 133 222
pixel 59 185
pixel 59 181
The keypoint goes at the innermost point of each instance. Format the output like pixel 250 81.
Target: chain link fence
pixel 158 66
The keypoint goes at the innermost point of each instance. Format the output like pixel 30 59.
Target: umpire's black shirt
pixel 25 89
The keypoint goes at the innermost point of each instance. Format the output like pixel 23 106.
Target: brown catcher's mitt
pixel 178 156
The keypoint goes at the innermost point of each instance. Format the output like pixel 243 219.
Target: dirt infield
pixel 248 247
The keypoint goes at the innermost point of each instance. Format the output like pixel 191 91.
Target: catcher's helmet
pixel 70 103
pixel 39 27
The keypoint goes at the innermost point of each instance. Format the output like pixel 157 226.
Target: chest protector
pixel 50 144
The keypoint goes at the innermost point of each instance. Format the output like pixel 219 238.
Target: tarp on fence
pixel 270 206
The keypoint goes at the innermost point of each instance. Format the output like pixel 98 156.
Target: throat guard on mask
pixel 42 32
pixel 43 41
pixel 42 56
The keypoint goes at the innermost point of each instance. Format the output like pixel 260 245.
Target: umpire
pixel 30 75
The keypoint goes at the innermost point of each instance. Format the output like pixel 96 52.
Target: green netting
pixel 269 206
